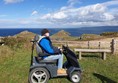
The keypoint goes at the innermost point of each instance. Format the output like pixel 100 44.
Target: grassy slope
pixel 14 68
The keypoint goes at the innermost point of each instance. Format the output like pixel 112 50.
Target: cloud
pixel 91 15
pixel 73 2
pixel 34 13
pixel 58 15
pixel 99 14
pixel 12 1
pixel 110 3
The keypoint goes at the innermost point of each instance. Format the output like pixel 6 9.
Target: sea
pixel 73 31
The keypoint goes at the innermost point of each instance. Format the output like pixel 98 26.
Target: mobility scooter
pixel 42 70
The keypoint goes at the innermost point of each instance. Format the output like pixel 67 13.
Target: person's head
pixel 45 32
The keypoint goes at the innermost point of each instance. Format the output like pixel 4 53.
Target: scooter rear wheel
pixel 39 75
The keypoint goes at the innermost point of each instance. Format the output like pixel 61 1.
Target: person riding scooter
pixel 55 53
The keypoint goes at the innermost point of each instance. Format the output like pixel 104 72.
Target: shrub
pixel 15 42
pixel 110 34
pixel 90 37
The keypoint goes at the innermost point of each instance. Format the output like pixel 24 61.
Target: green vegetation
pixel 16 42
pixel 90 37
pixel 15 62
pixel 110 34
pixel 14 67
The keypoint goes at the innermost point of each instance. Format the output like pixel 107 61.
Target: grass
pixel 14 67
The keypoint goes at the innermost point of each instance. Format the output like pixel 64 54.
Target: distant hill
pixel 62 35
pixel 23 38
pixel 25 34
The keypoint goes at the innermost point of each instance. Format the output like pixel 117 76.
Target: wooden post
pixel 80 55
pixel 104 55
pixel 113 47
pixel 99 45
pixel 88 44
pixel 77 54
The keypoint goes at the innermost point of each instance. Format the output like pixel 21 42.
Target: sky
pixel 58 13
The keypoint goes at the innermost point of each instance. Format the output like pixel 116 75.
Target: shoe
pixel 61 71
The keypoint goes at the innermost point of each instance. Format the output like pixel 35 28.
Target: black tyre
pixel 75 77
pixel 38 75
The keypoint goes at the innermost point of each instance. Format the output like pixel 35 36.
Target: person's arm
pixel 56 50
pixel 46 46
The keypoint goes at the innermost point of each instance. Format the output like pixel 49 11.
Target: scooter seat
pixel 38 59
pixel 47 61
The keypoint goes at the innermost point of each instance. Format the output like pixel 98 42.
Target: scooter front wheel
pixel 75 77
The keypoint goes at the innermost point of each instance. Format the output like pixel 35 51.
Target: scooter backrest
pixel 37 39
pixel 38 49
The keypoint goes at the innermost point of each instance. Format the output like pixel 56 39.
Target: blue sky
pixel 58 13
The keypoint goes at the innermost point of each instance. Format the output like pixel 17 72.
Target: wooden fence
pixel 101 44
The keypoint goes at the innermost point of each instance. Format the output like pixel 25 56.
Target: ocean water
pixel 72 31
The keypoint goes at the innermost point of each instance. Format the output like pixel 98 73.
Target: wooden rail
pixel 103 51
pixel 111 44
